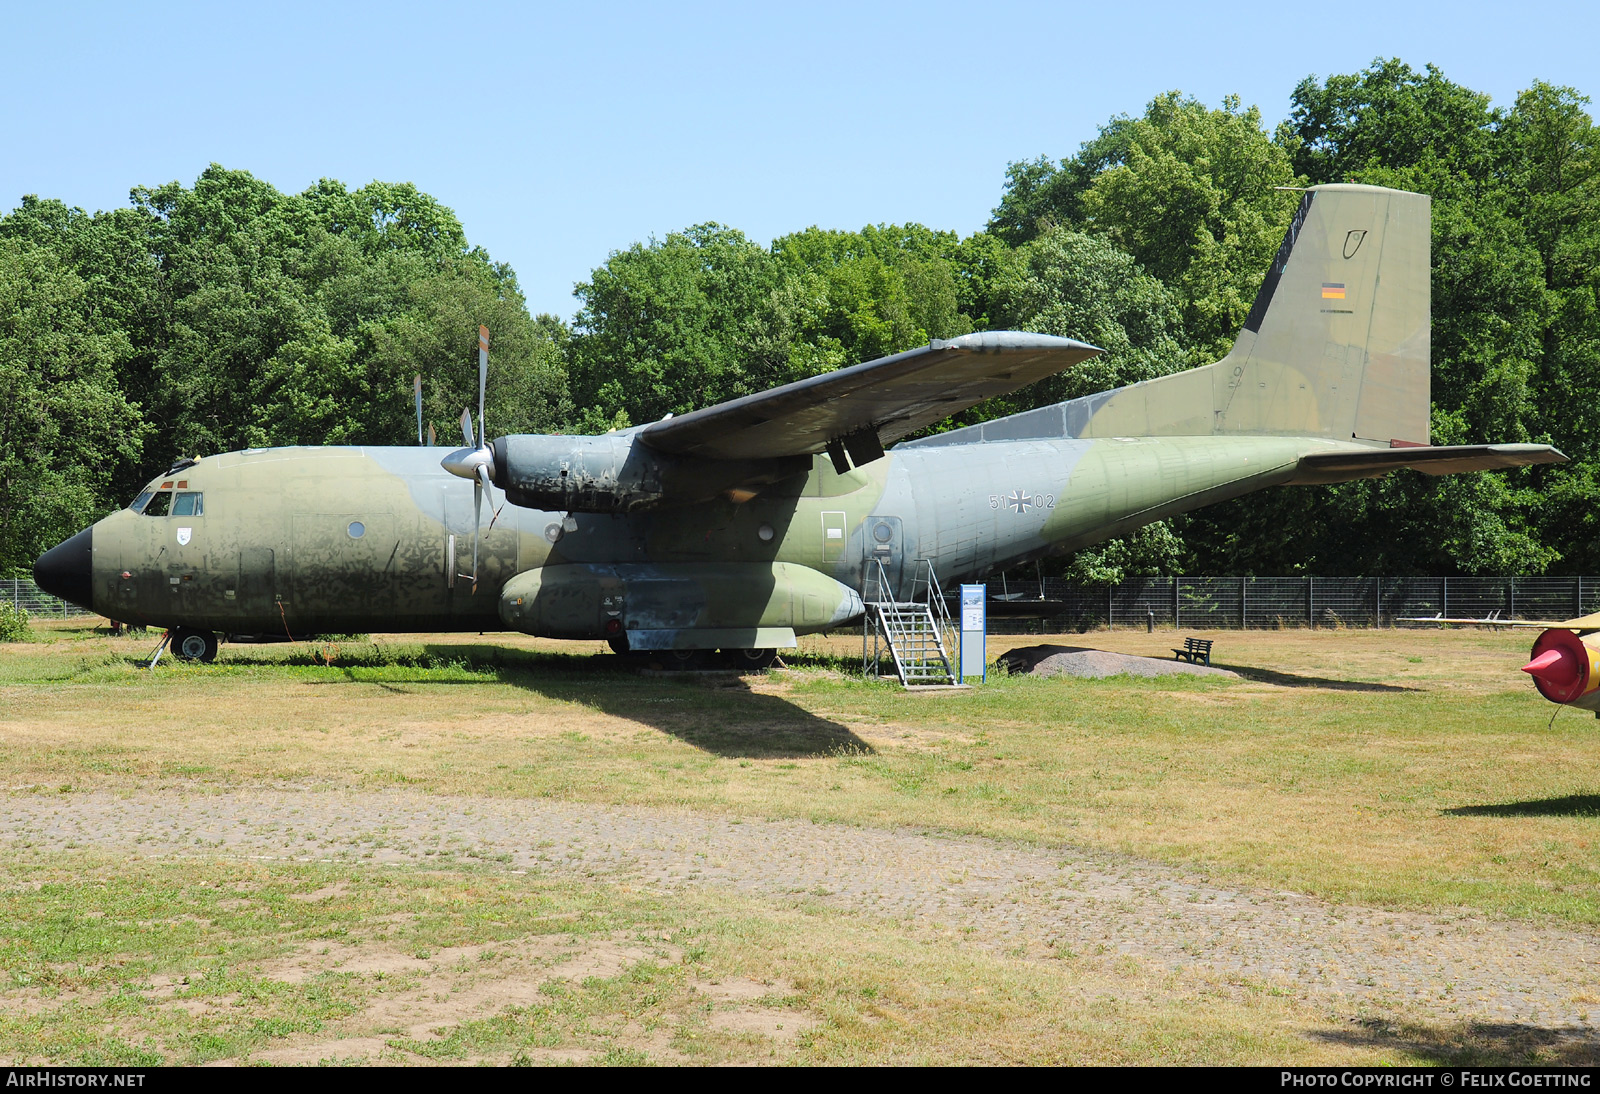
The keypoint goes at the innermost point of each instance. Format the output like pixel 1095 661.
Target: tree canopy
pixel 228 314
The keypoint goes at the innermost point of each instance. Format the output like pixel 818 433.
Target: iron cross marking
pixel 1019 502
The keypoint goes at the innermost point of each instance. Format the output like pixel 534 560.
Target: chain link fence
pixel 22 592
pixel 1214 603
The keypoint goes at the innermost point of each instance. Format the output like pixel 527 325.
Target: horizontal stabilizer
pixel 1355 463
pixel 871 404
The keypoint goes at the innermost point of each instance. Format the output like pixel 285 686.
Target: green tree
pixel 1388 115
pixel 1193 194
pixel 1550 156
pixel 64 423
pixel 682 322
pixel 1079 286
pixel 229 314
pixel 1505 367
pixel 303 318
pixel 884 289
pixel 1196 197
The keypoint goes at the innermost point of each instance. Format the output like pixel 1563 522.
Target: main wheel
pixel 683 659
pixel 192 645
pixel 618 643
pixel 751 660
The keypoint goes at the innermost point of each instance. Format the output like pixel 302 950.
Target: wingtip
pixel 988 341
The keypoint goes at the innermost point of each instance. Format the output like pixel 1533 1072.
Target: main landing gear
pixel 692 660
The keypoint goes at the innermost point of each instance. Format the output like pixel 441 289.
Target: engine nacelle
pixel 618 473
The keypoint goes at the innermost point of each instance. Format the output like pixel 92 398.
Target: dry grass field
pixel 242 861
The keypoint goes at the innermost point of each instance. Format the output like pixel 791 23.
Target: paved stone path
pixel 1001 895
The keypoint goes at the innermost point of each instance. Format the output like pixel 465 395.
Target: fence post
pixel 1513 597
pixel 1579 607
pixel 1175 580
pixel 1311 601
pixel 1244 616
pixel 1444 597
pixel 1377 602
pixel 1109 588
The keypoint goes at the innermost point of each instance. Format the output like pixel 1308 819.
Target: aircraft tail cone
pixel 1556 666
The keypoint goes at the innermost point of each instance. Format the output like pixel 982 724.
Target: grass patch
pixel 1359 776
pixel 1402 769
pixel 108 963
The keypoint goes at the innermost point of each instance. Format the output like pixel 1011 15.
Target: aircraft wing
pixel 1326 467
pixel 1589 622
pixel 864 407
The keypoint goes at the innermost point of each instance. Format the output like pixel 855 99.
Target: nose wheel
pixel 193 645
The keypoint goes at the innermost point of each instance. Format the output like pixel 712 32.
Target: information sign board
pixel 974 631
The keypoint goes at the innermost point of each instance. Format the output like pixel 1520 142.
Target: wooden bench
pixel 1196 651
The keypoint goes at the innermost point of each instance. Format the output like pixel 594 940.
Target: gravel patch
pixel 1094 664
pixel 1009 897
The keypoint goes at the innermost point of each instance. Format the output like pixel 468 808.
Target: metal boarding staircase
pixel 914 631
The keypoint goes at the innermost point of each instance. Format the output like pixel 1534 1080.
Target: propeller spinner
pixel 475 461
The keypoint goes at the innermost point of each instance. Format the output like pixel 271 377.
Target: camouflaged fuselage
pixel 274 550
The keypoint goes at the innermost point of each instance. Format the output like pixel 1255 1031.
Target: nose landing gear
pixel 193 645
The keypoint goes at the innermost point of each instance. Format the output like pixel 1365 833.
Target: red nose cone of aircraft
pixel 1557 666
pixel 1560 666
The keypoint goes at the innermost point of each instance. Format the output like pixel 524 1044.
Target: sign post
pixel 974 659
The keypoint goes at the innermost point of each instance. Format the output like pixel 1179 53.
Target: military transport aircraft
pixel 740 525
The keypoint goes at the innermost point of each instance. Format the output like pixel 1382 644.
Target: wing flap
pixel 891 397
pixel 1347 464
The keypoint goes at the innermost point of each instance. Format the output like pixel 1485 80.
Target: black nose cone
pixel 67 570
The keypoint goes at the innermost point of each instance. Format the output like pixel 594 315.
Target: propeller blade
pixel 483 380
pixel 417 385
pixel 433 438
pixel 466 428
pixel 480 487
pixel 477 516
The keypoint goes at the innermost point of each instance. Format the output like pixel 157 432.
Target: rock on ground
pixel 1094 664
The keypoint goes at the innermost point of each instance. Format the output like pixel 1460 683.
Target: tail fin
pixel 1335 346
pixel 1337 342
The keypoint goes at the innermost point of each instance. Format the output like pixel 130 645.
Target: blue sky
pixel 559 133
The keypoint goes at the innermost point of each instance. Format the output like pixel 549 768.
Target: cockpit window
pixel 160 505
pixel 138 503
pixel 188 504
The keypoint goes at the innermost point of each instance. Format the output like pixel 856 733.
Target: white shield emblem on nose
pixel 183 536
